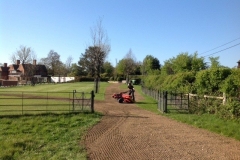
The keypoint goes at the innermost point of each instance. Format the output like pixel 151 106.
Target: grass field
pixel 48 98
pixel 47 136
pixel 60 87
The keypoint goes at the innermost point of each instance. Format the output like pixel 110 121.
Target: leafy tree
pixel 150 63
pixel 167 68
pixel 127 65
pixel 197 63
pixel 121 67
pixel 85 64
pixel 53 63
pixel 24 54
pixel 92 61
pixel 231 85
pixel 183 63
pixel 214 62
pixel 75 70
pixel 210 81
pixel 138 68
pixel 107 69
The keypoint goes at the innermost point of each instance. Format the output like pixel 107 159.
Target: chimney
pixel 238 64
pixel 5 65
pixel 34 62
pixel 18 62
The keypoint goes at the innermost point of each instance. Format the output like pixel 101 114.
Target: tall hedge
pixel 210 81
pixel 231 85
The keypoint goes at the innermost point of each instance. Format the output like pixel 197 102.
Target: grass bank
pixel 229 128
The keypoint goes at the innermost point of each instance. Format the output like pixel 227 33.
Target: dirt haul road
pixel 127 132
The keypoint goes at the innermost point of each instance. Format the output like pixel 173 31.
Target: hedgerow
pixel 212 81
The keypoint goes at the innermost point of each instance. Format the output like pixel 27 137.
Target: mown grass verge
pixel 49 136
pixel 229 128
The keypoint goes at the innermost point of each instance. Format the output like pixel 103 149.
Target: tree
pixel 53 63
pixel 24 54
pixel 75 70
pixel 150 63
pixel 127 65
pixel 107 69
pixel 183 63
pixel 68 64
pixel 214 62
pixel 98 51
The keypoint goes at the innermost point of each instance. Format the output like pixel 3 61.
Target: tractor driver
pixel 131 88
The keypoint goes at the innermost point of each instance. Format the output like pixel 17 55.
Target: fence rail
pixel 45 102
pixel 179 101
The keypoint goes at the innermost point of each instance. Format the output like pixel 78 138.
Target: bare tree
pixel 53 63
pixel 101 47
pixel 24 54
pixel 68 64
pixel 130 62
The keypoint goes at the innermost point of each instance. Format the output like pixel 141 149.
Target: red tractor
pixel 123 97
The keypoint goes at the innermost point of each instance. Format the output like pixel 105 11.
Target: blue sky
pixel 161 28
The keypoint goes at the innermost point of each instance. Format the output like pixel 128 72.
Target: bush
pixel 231 86
pixel 210 81
pixel 229 111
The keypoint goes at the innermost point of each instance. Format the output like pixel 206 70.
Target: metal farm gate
pixel 168 100
pixel 82 101
pixel 173 101
pixel 15 103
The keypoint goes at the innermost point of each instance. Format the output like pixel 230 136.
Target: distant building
pixel 22 73
pixel 238 64
pixel 4 71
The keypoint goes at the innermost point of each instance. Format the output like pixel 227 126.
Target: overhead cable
pixel 219 46
pixel 222 50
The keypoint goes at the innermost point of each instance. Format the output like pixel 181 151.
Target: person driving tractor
pixel 131 90
pixel 124 97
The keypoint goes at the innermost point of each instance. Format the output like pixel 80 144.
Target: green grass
pixel 11 98
pixel 60 87
pixel 229 128
pixel 45 136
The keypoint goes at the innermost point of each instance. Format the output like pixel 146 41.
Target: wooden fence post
pixel 224 98
pixel 165 102
pixel 92 101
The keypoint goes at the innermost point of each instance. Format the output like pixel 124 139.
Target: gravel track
pixel 127 132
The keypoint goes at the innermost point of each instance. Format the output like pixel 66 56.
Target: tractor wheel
pixel 120 100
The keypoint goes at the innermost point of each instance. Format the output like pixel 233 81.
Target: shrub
pixel 231 85
pixel 210 81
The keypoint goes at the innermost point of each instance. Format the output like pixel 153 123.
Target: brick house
pixel 4 71
pixel 22 73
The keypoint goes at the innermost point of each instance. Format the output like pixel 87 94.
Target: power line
pixel 222 50
pixel 219 46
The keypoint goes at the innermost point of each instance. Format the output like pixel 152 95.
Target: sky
pixel 161 28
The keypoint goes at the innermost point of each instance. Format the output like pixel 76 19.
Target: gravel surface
pixel 127 132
